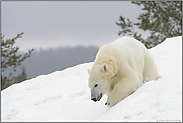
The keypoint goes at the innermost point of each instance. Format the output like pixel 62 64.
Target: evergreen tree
pixel 163 19
pixel 10 59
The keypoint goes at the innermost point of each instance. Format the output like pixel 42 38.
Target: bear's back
pixel 128 43
pixel 121 46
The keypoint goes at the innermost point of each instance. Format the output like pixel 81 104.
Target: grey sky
pixel 64 23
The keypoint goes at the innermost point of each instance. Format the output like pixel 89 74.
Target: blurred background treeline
pixel 161 19
pixel 17 66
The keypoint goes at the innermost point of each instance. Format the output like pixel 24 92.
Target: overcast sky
pixel 64 23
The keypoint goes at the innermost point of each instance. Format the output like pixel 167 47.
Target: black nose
pixel 94 99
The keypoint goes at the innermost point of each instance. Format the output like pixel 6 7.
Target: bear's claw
pixel 107 103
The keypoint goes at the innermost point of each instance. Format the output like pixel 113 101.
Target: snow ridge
pixel 65 96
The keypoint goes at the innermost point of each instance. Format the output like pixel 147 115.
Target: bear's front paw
pixel 110 101
pixel 109 104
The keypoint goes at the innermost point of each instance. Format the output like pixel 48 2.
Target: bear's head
pixel 99 77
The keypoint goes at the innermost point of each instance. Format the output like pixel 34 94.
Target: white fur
pixel 128 65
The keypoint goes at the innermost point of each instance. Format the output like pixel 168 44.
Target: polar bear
pixel 119 69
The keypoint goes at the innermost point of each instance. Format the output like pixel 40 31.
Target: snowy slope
pixel 65 95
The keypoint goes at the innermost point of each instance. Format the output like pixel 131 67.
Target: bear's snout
pixel 94 99
pixel 97 98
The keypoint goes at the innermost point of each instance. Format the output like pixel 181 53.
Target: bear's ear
pixel 104 67
pixel 88 70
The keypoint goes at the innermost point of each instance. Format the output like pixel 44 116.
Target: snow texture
pixel 65 95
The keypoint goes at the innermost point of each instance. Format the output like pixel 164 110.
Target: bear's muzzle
pixel 96 98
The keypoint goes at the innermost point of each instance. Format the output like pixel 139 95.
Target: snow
pixel 65 95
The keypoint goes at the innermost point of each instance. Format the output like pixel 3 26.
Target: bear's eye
pixel 96 85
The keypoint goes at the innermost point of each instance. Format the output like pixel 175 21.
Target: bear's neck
pixel 112 63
